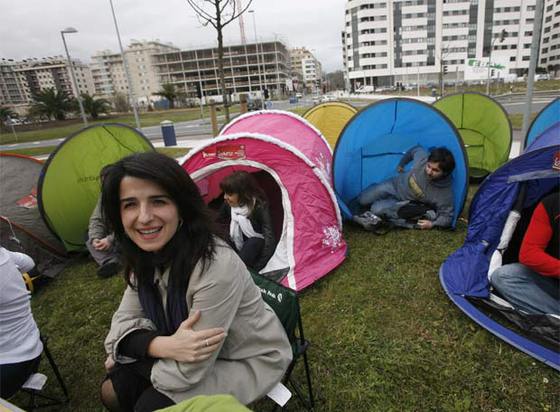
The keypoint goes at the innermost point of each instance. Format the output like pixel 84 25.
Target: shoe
pixel 383 227
pixel 108 269
pixel 367 220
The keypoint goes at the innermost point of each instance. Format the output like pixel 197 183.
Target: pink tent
pixel 290 160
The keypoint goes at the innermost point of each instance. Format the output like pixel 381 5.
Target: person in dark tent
pixel 421 197
pixel 20 344
pixel 533 284
pixel 101 245
pixel 191 321
pixel 250 225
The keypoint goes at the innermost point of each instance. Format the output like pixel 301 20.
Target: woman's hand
pixel 187 345
pixel 109 363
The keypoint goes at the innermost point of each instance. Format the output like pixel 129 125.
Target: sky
pixel 31 28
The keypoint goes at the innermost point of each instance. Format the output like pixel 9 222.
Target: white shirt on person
pixel 19 335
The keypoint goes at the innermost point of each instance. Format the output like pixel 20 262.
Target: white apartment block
pixel 11 89
pixel 390 41
pixel 31 76
pixel 110 76
pixel 550 40
pixel 310 69
pixel 107 69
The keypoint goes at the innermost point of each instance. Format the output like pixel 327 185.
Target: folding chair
pixel 35 393
pixel 285 303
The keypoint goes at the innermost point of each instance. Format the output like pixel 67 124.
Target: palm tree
pixel 52 103
pixel 5 114
pixel 94 107
pixel 168 91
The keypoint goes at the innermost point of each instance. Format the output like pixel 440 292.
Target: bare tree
pixel 219 13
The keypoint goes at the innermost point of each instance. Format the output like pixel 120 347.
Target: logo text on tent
pixel 272 295
pixel 85 179
pixel 226 152
pixel 556 163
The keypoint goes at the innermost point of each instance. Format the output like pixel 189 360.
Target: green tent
pixel 484 127
pixel 68 187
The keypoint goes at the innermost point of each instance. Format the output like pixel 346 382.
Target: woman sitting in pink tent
pixel 250 226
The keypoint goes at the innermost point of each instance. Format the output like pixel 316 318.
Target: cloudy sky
pixel 31 28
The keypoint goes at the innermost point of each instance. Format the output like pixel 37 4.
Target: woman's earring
pixel 180 224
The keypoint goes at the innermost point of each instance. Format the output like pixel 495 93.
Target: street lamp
pixel 69 30
pixel 502 37
pixel 258 59
pixel 126 71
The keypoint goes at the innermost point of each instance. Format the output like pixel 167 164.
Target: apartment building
pixel 250 68
pixel 11 89
pixel 409 41
pixel 109 73
pixel 550 38
pixel 22 79
pixel 305 64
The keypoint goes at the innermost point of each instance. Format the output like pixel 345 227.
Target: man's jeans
pixel 526 289
pixel 383 199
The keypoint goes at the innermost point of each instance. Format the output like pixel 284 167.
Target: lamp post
pixel 502 37
pixel 126 71
pixel 69 30
pixel 258 58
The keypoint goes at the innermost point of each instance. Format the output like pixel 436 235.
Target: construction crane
pixel 239 5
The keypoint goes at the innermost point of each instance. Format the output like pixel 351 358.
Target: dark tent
pixel 21 227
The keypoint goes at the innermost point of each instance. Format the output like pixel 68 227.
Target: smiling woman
pixel 150 218
pixel 191 316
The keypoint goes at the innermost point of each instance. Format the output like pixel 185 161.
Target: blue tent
pixel 372 143
pixel 464 274
pixel 549 115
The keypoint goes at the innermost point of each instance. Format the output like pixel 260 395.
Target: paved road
pixel 515 103
pixel 201 129
pixel 189 130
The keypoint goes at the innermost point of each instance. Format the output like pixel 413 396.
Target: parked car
pixel 365 89
pixel 327 98
pixel 14 122
pixel 254 104
pixel 542 76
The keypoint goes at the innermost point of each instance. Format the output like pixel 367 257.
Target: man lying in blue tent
pixel 533 284
pixel 420 198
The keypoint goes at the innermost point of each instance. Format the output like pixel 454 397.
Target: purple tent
pixel 494 213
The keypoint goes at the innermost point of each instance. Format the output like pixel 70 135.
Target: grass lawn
pixel 384 335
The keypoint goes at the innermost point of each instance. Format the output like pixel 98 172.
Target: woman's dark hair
pixel 444 158
pixel 245 185
pixel 194 238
